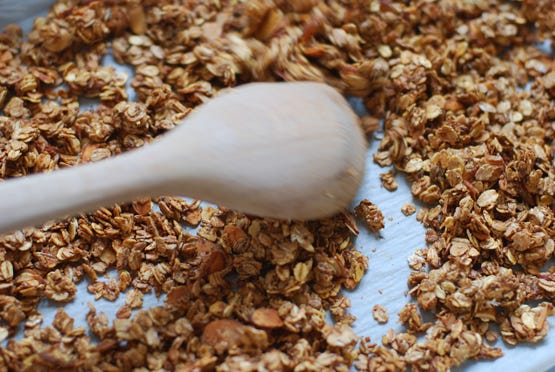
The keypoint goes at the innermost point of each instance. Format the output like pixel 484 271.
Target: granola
pixel 408 209
pixel 370 214
pixel 388 180
pixel 380 314
pixel 465 99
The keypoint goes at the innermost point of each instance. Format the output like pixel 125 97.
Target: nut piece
pixel 266 318
pixel 137 20
pixel 223 331
pixel 227 334
pixel 213 257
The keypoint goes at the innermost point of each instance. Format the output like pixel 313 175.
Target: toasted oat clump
pixel 408 209
pixel 380 314
pixel 476 149
pixel 388 180
pixel 474 145
pixel 370 214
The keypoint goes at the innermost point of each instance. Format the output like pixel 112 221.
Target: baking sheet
pixel 384 283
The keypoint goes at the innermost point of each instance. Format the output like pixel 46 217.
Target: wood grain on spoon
pixel 283 150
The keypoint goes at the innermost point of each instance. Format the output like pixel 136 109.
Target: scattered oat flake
pixel 380 314
pixel 388 180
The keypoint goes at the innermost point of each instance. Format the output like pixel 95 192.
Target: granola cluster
pixel 371 215
pixel 467 102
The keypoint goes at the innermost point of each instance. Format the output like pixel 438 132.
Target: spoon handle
pixel 280 150
pixel 38 198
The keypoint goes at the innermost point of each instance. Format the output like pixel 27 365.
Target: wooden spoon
pixel 283 150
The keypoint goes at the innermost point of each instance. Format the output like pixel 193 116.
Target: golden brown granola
pixel 369 213
pixel 388 180
pixel 408 209
pixel 380 314
pixel 448 79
